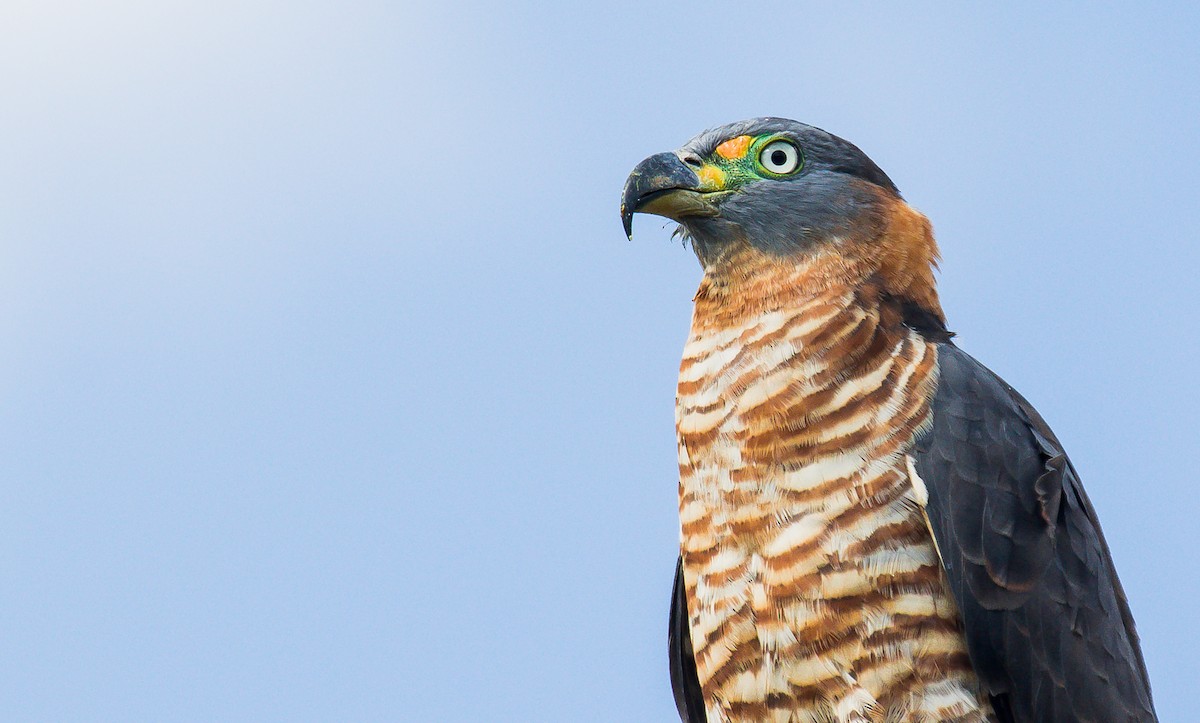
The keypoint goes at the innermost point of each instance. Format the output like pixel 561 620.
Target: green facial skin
pixel 727 174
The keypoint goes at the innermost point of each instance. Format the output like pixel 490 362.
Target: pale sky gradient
pixel 333 391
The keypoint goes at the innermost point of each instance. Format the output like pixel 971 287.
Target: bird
pixel 873 525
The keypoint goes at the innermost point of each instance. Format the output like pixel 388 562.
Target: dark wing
pixel 1047 625
pixel 684 681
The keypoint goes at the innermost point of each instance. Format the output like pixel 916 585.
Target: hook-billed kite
pixel 873 525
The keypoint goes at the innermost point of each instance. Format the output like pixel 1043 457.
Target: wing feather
pixel 1048 628
pixel 689 700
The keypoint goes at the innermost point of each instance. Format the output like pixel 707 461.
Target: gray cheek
pixel 789 216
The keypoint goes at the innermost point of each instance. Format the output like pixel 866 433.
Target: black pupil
pixel 778 158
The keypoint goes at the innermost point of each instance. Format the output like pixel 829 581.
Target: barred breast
pixel 813 584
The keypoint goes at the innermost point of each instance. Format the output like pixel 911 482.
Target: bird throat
pixel 813 583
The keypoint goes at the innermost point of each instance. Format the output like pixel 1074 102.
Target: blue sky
pixel 332 389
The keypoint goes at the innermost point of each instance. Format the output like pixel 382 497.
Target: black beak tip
pixel 627 221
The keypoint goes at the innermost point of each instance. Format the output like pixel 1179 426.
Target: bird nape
pixel 874 526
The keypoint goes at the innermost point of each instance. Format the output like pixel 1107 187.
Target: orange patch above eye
pixel 734 147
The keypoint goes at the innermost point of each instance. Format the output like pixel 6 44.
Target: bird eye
pixel 780 157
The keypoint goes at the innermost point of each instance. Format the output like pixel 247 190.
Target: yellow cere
pixel 711 177
pixel 734 148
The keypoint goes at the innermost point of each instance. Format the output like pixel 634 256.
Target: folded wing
pixel 1047 625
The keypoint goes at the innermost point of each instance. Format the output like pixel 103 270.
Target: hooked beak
pixel 664 185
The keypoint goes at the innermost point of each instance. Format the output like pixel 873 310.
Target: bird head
pixel 786 190
pixel 777 184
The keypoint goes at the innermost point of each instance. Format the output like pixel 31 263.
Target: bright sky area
pixel 333 391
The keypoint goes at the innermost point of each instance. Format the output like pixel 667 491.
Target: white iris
pixel 779 157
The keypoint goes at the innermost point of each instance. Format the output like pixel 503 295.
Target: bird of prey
pixel 873 525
